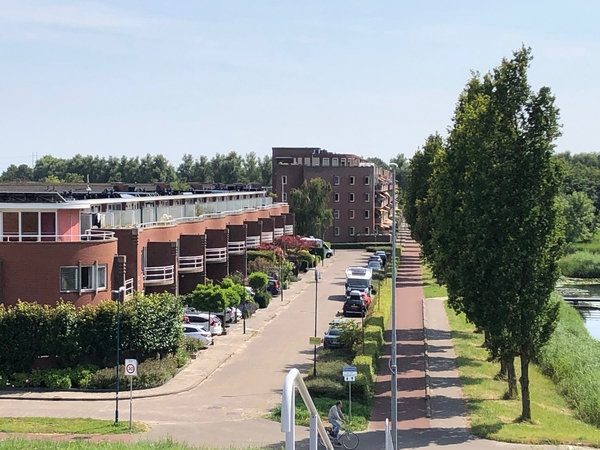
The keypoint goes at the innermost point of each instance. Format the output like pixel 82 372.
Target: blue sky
pixel 373 77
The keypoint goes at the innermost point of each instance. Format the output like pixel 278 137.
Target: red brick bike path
pixel 410 349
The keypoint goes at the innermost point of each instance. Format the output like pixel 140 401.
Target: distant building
pixel 83 242
pixel 361 197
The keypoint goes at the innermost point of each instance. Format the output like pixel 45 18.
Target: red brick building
pixel 361 197
pixel 83 242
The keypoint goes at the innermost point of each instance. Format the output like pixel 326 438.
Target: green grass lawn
pixel 24 444
pixel 491 417
pixel 66 426
pixel 430 287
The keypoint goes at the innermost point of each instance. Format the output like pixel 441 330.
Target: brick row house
pixel 83 243
pixel 361 200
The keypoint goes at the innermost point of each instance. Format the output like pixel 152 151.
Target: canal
pixel 590 312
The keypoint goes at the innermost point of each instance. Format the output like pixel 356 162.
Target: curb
pixel 427 375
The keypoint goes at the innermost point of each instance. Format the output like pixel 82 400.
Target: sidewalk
pixel 196 371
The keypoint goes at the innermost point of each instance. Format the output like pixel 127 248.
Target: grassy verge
pixel 430 287
pixel 492 417
pixel 25 444
pixel 66 426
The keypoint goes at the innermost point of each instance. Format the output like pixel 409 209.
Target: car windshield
pixel 333 332
pixel 359 283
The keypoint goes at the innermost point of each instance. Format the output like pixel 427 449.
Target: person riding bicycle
pixel 335 416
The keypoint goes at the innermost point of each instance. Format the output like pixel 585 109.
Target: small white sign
pixel 349 378
pixel 131 366
pixel 349 372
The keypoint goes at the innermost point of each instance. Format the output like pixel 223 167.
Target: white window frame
pixel 336 231
pixel 335 162
pixel 336 180
pixel 284 179
pixel 367 180
pixel 367 230
pixel 336 197
pixel 284 196
pixel 351 197
pixel 316 161
pixel 325 162
pixel 351 180
pixel 351 231
pixel 98 282
pixel 352 214
pixel 367 197
pixel 367 214
pixel 307 161
pixel 336 213
pixel 343 162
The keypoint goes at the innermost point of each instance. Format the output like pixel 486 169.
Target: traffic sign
pixel 349 378
pixel 314 340
pixel 131 366
pixel 349 371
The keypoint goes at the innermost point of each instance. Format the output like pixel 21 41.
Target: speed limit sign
pixel 131 367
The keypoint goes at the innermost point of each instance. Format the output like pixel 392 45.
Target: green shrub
pixel 151 373
pixel 373 332
pixel 192 345
pixel 262 299
pixel 258 281
pixel 580 265
pixel 269 255
pixel 327 387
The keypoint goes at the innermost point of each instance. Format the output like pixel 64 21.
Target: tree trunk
pixel 525 400
pixel 513 391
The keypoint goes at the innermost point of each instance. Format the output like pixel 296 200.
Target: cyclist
pixel 335 416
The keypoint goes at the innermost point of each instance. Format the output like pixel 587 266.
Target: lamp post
pixel 120 299
pixel 316 297
pixel 394 360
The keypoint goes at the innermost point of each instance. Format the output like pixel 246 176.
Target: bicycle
pixel 346 438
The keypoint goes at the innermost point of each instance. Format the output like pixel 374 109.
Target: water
pixel 590 312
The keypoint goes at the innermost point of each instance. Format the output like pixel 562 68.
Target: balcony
pixel 289 230
pixel 252 241
pixel 266 237
pixel 129 287
pixel 216 255
pixel 237 247
pixel 158 276
pixel 278 232
pixel 190 264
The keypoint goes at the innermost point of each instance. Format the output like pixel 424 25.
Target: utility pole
pixel 394 359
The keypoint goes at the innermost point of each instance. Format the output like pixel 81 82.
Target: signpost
pixel 131 366
pixel 349 373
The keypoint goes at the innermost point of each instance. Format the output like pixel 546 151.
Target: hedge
pixel 251 255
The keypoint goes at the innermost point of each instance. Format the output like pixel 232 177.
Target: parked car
pixel 198 332
pixel 273 286
pixel 331 338
pixel 249 291
pixel 355 304
pixel 374 265
pixel 203 319
pixel 383 255
pixel 376 258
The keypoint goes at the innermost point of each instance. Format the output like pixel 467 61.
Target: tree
pixel 580 218
pixel 497 229
pixel 310 203
pixel 258 281
pixel 266 171
pixel 14 173
pixel 252 168
pixel 379 162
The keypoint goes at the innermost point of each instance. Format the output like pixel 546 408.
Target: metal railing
pixel 129 287
pixel 191 263
pixel 293 381
pixel 289 230
pixel 159 275
pixel 277 232
pixel 389 442
pixel 88 235
pixel 216 255
pixel 266 237
pixel 237 247
pixel 252 241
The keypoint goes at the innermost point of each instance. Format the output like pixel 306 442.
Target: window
pixel 10 226
pixel 367 215
pixel 307 161
pixel 351 231
pixel 335 162
pixel 351 180
pixel 351 197
pixel 367 197
pixel 351 212
pixel 366 230
pixel 284 179
pixel 315 161
pixel 336 180
pixel 367 180
pixel 336 197
pixel 89 279
pixel 336 213
pixel 343 162
pixel 284 196
pixel 336 231
pixel 28 226
pixel 325 162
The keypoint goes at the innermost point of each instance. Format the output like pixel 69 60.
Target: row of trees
pixel 483 204
pixel 230 168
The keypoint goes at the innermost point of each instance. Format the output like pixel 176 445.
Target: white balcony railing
pixel 278 232
pixel 252 241
pixel 237 247
pixel 216 255
pixel 89 235
pixel 289 230
pixel 159 275
pixel 266 237
pixel 191 263
pixel 129 287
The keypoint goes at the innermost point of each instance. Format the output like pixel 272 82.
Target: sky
pixel 373 78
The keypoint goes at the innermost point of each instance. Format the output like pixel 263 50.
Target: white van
pixel 320 243
pixel 358 279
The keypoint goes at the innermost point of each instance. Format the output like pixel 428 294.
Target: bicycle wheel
pixel 349 440
pixel 321 444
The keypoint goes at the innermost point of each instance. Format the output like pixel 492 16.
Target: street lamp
pixel 316 297
pixel 120 299
pixel 394 360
